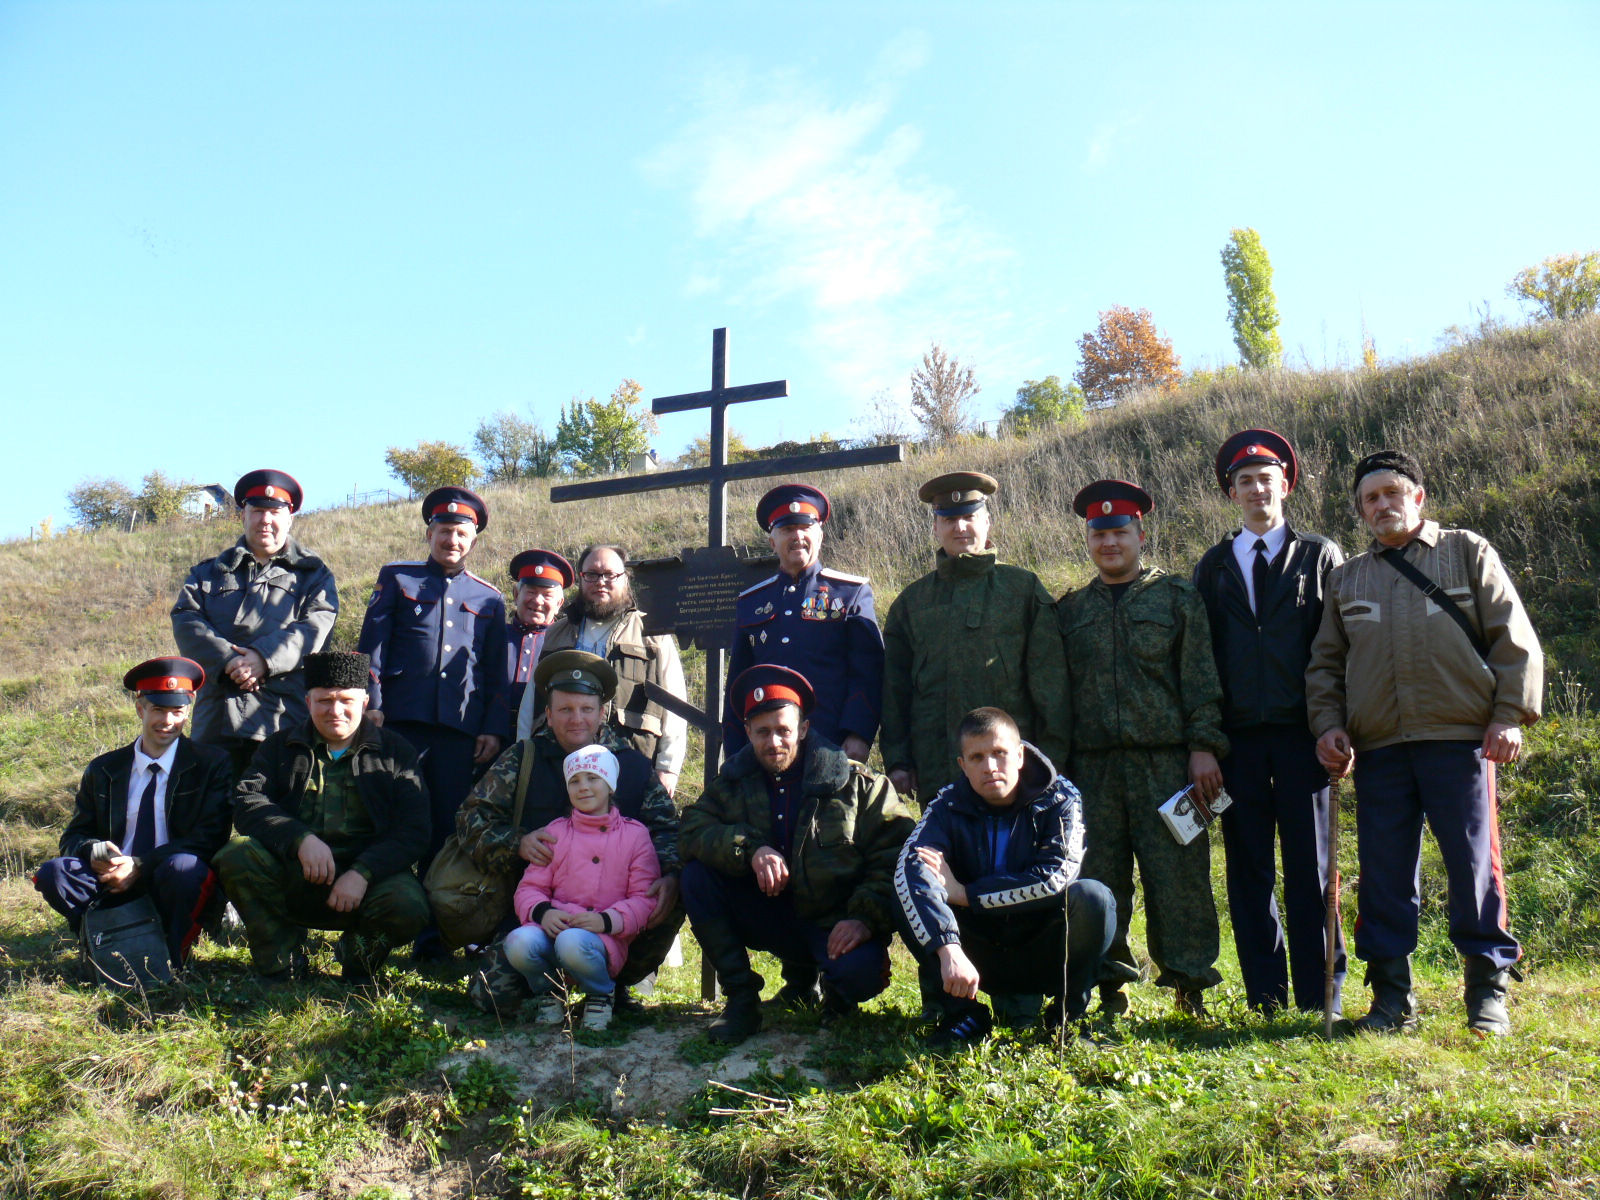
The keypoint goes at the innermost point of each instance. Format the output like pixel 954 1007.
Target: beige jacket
pixel 1388 665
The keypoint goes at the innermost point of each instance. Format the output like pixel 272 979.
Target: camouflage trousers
pixel 498 987
pixel 278 906
pixel 1122 789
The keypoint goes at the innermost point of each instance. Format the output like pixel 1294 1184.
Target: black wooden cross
pixel 716 634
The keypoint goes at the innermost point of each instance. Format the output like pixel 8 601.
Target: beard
pixel 604 610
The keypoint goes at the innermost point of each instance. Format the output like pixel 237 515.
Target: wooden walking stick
pixel 1330 936
pixel 1066 930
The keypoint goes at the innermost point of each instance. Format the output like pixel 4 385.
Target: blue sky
pixel 239 234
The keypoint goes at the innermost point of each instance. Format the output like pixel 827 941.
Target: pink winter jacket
pixel 600 864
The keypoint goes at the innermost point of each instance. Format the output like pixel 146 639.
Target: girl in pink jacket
pixel 581 909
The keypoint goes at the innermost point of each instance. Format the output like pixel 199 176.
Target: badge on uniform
pixel 373 599
pixel 763 637
pixel 765 610
pixel 417 610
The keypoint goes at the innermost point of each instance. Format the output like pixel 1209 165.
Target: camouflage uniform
pixel 264 880
pixel 486 831
pixel 973 632
pixel 1145 691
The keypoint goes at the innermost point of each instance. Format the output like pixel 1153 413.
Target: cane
pixel 1066 902
pixel 1330 937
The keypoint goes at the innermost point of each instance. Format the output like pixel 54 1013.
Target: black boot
pixel 801 991
pixel 741 986
pixel 1394 1007
pixel 1485 996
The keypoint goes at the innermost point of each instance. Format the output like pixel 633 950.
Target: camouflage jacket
pixel 972 633
pixel 484 821
pixel 850 828
pixel 1142 669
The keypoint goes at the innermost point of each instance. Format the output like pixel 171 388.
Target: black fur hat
pixel 1397 461
pixel 338 669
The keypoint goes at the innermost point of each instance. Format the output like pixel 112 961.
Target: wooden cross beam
pixel 717 474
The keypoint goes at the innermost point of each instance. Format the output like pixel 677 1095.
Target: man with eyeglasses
pixel 604 621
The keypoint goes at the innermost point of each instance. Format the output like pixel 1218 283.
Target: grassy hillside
pixel 198 1096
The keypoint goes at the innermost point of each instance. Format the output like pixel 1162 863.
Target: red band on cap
pixel 1260 452
pixel 165 683
pixel 773 691
pixel 541 570
pixel 269 491
pixel 1115 508
pixel 455 508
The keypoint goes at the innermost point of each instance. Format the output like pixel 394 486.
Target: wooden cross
pixel 717 474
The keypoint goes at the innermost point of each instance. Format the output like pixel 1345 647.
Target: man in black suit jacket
pixel 150 816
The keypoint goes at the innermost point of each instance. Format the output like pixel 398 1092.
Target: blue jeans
pixel 541 959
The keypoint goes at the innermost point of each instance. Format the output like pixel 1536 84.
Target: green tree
pixel 1042 403
pixel 1562 286
pixel 430 465
pixel 512 448
pixel 1252 307
pixel 162 499
pixel 600 437
pixel 698 452
pixel 102 503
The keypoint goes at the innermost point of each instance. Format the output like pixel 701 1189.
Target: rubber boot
pixel 741 986
pixel 1485 996
pixel 1394 1007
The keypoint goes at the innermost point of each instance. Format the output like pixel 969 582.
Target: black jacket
pixel 1262 664
pixel 1042 857
pixel 196 802
pixel 267 804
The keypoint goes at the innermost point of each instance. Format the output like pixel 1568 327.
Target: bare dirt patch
pixel 644 1078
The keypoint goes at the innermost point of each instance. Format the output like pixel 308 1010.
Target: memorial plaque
pixel 694 595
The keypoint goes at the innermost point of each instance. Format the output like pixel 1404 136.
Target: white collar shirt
pixel 139 780
pixel 1244 551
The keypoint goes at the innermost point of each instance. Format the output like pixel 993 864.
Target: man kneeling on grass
pixel 988 885
pixel 333 816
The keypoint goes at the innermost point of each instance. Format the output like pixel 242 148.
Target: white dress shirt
pixel 1244 550
pixel 138 781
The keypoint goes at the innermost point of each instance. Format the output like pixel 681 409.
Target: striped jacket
pixel 1043 834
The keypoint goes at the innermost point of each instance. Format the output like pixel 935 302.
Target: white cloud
pixel 1104 140
pixel 798 196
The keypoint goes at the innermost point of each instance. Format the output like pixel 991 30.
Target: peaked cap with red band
pixel 1253 447
pixel 766 686
pixel 170 682
pixel 1110 503
pixel 792 504
pixel 455 504
pixel 268 489
pixel 542 568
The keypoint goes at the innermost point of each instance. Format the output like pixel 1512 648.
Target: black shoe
pixel 625 1003
pixel 1394 1006
pixel 1113 1001
pixel 1485 996
pixel 965 1028
pixel 835 1007
pixel 797 998
pixel 299 968
pixel 1190 1002
pixel 741 1016
pixel 355 967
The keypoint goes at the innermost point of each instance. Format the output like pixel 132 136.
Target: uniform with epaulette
pixel 542 573
pixel 437 640
pixel 818 621
pixel 1145 697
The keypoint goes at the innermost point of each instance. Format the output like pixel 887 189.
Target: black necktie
pixel 144 827
pixel 1259 574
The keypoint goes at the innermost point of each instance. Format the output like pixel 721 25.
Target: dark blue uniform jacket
pixel 438 647
pixel 823 626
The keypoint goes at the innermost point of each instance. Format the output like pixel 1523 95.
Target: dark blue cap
pixel 1111 503
pixel 455 504
pixel 170 682
pixel 542 568
pixel 792 504
pixel 268 489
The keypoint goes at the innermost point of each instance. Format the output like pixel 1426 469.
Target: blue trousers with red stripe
pixel 1451 785
pixel 181 886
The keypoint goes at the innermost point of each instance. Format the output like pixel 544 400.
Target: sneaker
pixel 966 1028
pixel 596 1011
pixel 551 1011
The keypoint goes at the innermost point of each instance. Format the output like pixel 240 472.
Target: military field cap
pixel 792 504
pixel 455 504
pixel 1111 503
pixel 1397 461
pixel 170 682
pixel 766 686
pixel 1256 447
pixel 576 671
pixel 338 669
pixel 958 493
pixel 595 759
pixel 268 489
pixel 542 568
